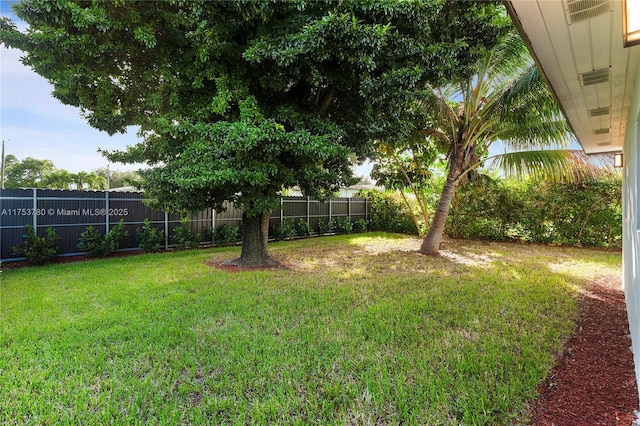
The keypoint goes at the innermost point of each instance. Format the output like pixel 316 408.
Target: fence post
pixel 281 210
pixel 35 209
pixel 349 208
pixel 308 208
pixel 366 211
pixel 213 222
pixel 166 231
pixel 329 209
pixel 106 212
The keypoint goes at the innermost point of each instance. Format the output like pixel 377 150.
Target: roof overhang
pixel 577 45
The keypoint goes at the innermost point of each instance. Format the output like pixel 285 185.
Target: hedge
pixel 588 213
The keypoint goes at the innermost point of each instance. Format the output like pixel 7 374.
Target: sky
pixel 35 124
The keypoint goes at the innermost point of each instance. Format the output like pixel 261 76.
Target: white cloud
pixel 35 124
pixel 23 90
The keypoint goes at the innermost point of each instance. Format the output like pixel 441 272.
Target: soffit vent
pixel 604 143
pixel 597 112
pixel 602 131
pixel 595 77
pixel 581 10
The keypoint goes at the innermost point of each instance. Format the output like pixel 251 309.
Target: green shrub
pixel 303 228
pixel 483 210
pixel 286 229
pixel 389 214
pixel 343 225
pixel 360 226
pixel 150 239
pixel 38 250
pixel 325 227
pixel 226 234
pixel 97 245
pixel 183 238
pixel 588 213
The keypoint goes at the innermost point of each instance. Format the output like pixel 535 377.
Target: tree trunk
pixel 431 243
pixel 254 240
pixel 413 215
pixel 255 236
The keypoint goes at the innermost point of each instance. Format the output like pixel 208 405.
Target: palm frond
pixel 535 136
pixel 437 109
pixel 556 165
pixel 508 58
pixel 527 96
pixel 527 114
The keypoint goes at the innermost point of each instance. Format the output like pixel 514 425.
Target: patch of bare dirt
pixel 233 266
pixel 593 382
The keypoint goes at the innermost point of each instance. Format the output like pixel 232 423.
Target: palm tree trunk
pixel 431 243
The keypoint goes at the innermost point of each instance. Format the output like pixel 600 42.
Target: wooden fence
pixel 69 213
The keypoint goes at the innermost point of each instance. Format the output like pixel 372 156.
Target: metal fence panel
pixel 69 213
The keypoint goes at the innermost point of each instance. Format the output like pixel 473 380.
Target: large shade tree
pixel 236 100
pixel 504 100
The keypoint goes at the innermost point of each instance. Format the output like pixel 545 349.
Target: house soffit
pixel 578 46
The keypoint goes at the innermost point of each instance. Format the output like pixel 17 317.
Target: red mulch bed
pixel 594 381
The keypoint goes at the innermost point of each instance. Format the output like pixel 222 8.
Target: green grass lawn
pixel 358 330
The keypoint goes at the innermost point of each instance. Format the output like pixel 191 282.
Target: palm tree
pixel 505 100
pixel 95 181
pixel 89 180
pixel 58 179
pixel 80 179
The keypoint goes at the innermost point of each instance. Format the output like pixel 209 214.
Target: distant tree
pixel 89 180
pixel 239 99
pixel 10 159
pixel 96 182
pixel 28 173
pixel 118 178
pixel 79 180
pixel 58 179
pixel 35 173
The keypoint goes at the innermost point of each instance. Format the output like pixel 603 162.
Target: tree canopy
pixel 235 99
pixel 117 178
pixel 28 173
pixel 36 173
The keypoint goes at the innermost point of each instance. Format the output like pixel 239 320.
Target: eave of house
pixel 577 44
